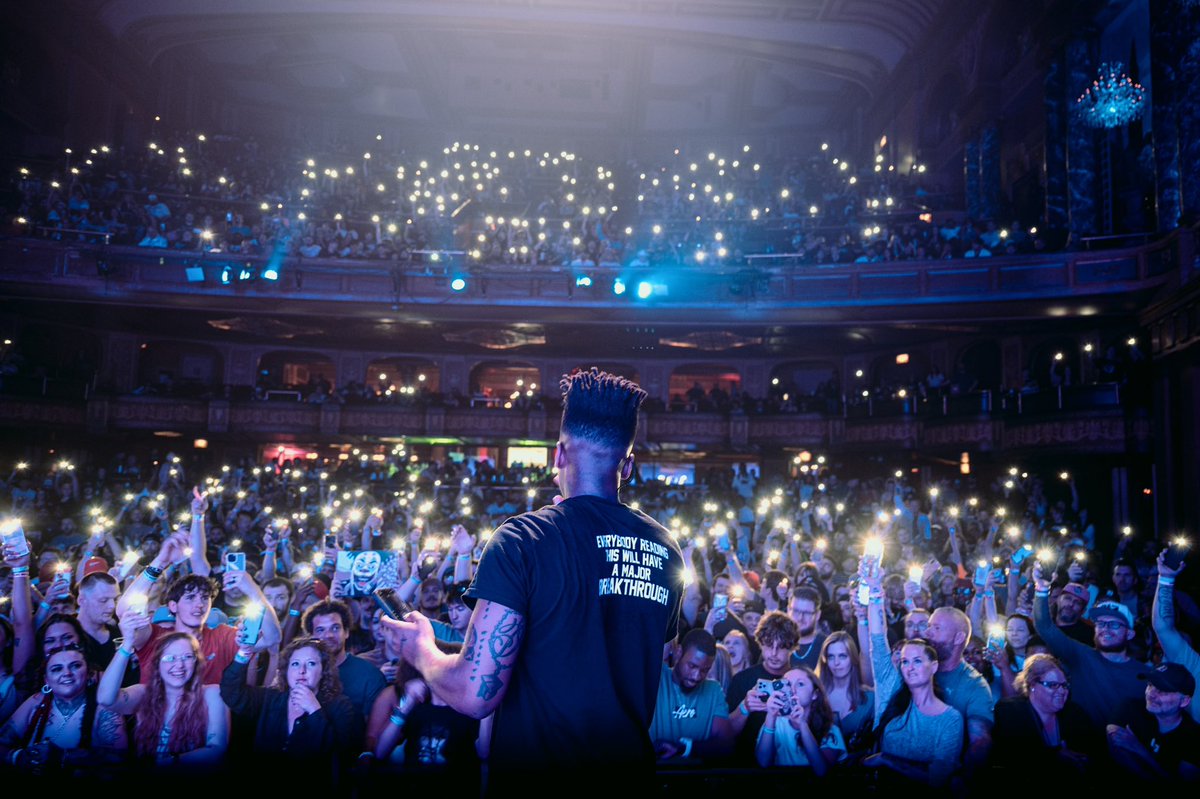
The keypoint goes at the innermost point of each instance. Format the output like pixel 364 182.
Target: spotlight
pixel 644 290
pixel 618 287
pixel 583 280
pixel 458 284
pixel 226 275
pixel 270 273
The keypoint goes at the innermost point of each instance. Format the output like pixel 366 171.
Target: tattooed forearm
pixel 469 649
pixel 502 643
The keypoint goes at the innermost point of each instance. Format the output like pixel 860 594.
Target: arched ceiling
pixel 623 67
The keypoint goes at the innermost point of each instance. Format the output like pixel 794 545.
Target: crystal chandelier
pixel 1112 100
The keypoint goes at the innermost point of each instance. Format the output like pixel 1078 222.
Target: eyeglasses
pixel 1111 625
pixel 1050 685
pixel 177 658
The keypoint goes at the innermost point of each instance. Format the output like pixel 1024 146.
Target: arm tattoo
pixel 502 643
pixel 110 729
pixel 1166 603
pixel 469 649
pixel 211 739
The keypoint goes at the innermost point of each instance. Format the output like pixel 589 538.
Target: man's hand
pixel 754 702
pixel 1166 571
pixel 241 580
pixel 199 501
pixel 665 750
pixel 461 541
pixel 1041 583
pixel 13 560
pixel 410 637
pixel 131 623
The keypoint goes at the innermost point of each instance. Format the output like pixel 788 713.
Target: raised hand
pixel 199 501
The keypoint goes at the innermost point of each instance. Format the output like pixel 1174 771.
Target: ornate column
pixel 1054 104
pixel 989 172
pixel 1164 54
pixel 971 176
pixel 1081 143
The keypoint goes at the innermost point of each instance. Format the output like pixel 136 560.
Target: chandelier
pixel 1113 99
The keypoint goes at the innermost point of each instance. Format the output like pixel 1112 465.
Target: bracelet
pixel 1041 593
pixel 152 573
pixel 45 605
pixel 19 570
pixel 240 658
pixel 126 652
pixel 198 517
pixel 465 556
pixel 1161 580
pixel 863 623
pixel 397 719
pixel 88 554
pixel 13 755
pixel 687 747
pixel 414 579
pixel 768 730
pixel 988 593
pixel 875 600
pixel 293 612
pixel 742 707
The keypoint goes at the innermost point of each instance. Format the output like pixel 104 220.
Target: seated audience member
pixel 329 621
pixel 852 702
pixel 799 729
pixel 691 720
pixel 1039 730
pixel 1103 679
pixel 1159 740
pixel 920 736
pixel 776 635
pixel 304 717
pixel 178 719
pixel 62 729
pixel 414 729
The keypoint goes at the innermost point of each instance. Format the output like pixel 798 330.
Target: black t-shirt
pixel 599 586
pixel 1080 631
pixel 440 738
pixel 1180 745
pixel 99 655
pixel 741 683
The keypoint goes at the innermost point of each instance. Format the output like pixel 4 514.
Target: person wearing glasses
pixel 179 719
pixel 1104 678
pixel 1040 728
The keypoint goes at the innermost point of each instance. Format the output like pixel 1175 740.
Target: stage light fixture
pixel 226 275
pixel 644 290
pixel 583 280
pixel 618 287
pixel 458 284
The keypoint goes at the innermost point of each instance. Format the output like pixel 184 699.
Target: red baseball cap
pixel 95 565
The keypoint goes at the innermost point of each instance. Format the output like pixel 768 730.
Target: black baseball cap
pixel 1172 678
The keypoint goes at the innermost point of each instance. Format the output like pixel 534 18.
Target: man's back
pixel 598 586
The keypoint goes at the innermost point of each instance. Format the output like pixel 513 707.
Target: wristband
pixel 126 652
pixel 197 517
pixel 240 658
pixel 19 570
pixel 1036 592
pixel 742 707
pixel 87 554
pixel 45 605
pixel 768 730
pixel 687 746
pixel 1161 580
pixel 415 579
pixel 293 612
pixel 863 623
pixel 12 757
pixel 988 593
pixel 152 573
pixel 465 556
pixel 397 719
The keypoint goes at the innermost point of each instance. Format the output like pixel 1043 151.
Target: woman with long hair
pixel 809 738
pixel 722 672
pixel 63 727
pixel 920 737
pixel 839 668
pixel 179 719
pixel 305 714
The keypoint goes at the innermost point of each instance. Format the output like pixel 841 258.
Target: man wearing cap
pixel 1105 678
pixel 1159 739
pixel 1072 603
pixel 1174 646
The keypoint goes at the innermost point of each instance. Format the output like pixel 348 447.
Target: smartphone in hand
pixel 389 602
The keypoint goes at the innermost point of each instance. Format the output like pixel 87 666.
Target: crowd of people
pixel 184 615
pixel 224 194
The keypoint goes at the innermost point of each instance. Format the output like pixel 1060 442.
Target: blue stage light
pixel 618 287
pixel 583 280
pixel 458 284
pixel 644 290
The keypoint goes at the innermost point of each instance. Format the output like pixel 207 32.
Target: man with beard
pixel 962 687
pixel 1072 602
pixel 1160 741
pixel 690 717
pixel 1102 679
pixel 804 609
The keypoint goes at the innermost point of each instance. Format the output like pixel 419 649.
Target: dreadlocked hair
pixel 601 408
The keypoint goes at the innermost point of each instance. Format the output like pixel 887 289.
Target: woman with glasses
pixel 1040 728
pixel 179 719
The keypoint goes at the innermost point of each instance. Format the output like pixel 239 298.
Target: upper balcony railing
pixel 88 269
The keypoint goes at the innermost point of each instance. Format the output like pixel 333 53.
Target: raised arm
pixel 1175 646
pixel 474 681
pixel 1058 642
pixel 22 610
pixel 198 540
pixel 108 692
